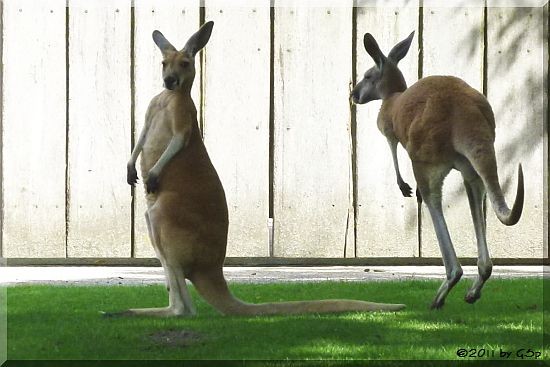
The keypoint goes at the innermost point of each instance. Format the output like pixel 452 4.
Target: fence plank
pixel 312 147
pixel 99 128
pixel 516 58
pixel 2 237
pixel 447 52
pixel 236 120
pixel 34 128
pixel 312 65
pixel 177 20
pixel 386 221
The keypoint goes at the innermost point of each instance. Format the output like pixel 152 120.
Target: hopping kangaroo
pixel 443 124
pixel 187 212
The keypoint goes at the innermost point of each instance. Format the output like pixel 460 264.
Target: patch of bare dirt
pixel 176 338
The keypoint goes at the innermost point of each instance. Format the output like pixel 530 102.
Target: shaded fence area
pixel 306 175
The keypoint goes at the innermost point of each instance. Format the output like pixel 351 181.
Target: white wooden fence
pixel 272 93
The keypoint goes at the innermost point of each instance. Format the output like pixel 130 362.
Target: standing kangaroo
pixel 443 124
pixel 187 212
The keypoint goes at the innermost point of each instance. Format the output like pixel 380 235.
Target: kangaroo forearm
pixel 139 146
pixel 393 147
pixel 406 190
pixel 176 144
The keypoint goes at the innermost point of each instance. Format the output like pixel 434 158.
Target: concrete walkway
pixel 154 275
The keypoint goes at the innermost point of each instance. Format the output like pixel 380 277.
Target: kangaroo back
pixel 440 116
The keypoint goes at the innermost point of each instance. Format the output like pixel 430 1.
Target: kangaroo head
pixel 384 78
pixel 178 67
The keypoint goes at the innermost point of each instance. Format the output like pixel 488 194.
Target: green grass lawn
pixel 56 322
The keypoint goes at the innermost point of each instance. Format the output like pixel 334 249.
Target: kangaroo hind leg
pixel 429 178
pixel 475 189
pixel 158 251
pixel 180 303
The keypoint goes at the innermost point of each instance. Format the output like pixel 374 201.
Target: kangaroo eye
pixel 184 64
pixel 367 77
pixel 163 63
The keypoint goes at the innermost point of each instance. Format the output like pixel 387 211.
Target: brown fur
pixel 187 212
pixel 191 197
pixel 428 119
pixel 443 124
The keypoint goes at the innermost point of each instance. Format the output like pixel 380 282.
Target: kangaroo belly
pixel 190 180
pixel 189 209
pixel 194 219
pixel 190 206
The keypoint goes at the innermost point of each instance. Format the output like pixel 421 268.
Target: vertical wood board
pixel 546 159
pixel 1 129
pixel 34 121
pixel 516 60
pixel 460 54
pixel 386 221
pixel 312 71
pixel 99 128
pixel 177 20
pixel 313 215
pixel 236 120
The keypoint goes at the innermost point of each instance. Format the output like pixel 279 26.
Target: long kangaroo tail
pixel 213 288
pixel 486 167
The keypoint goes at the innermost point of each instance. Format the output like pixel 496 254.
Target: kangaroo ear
pixel 162 42
pixel 400 50
pixel 373 50
pixel 199 39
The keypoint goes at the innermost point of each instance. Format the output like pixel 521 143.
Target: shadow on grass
pixel 64 322
pixel 413 333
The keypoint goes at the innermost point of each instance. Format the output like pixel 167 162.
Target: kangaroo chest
pixel 158 138
pixel 165 115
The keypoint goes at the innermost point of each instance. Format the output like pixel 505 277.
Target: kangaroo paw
pixel 406 190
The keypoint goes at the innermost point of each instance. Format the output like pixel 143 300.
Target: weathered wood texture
pixel 448 52
pixel 515 89
pixel 386 221
pixel 177 20
pixel 33 148
pixel 99 129
pixel 546 141
pixel 312 162
pixel 1 132
pixel 312 64
pixel 236 120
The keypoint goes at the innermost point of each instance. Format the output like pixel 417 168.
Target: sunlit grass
pixel 55 322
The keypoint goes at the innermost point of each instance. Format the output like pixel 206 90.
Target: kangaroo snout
pixel 364 91
pixel 171 82
pixel 354 96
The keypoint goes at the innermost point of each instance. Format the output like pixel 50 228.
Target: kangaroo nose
pixel 170 82
pixel 354 96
